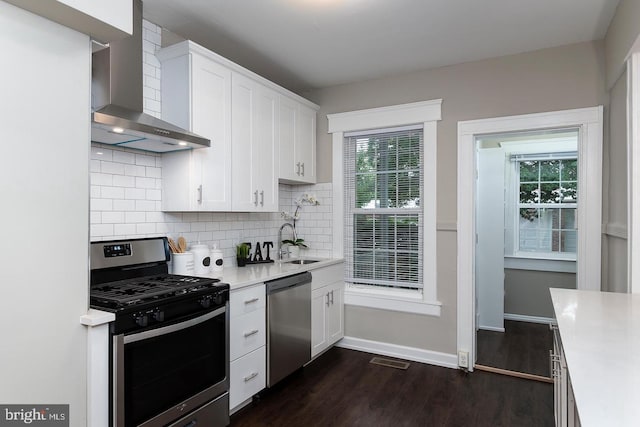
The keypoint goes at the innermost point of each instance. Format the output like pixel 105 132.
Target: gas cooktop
pixel 132 292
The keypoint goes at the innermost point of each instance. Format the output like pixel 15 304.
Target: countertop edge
pixel 242 277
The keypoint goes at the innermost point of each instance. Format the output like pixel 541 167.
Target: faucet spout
pixel 293 233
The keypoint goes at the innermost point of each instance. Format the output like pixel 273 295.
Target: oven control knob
pixel 205 302
pixel 158 316
pixel 219 299
pixel 141 319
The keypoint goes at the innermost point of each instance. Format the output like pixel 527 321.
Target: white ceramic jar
pixel 201 260
pixel 216 259
pixel 182 264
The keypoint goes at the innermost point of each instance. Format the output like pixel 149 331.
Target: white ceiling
pixel 309 44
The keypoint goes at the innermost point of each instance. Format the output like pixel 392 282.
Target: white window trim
pixel 426 113
pixel 590 122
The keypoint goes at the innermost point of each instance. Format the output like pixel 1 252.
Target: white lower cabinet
pixel 247 339
pixel 327 308
pixel 564 406
pixel 248 376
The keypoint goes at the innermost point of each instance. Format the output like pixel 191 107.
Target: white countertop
pixel 600 334
pixel 239 277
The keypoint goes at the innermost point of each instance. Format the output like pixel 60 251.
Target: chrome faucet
pixel 293 232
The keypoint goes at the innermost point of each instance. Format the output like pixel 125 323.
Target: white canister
pixel 216 259
pixel 182 263
pixel 201 260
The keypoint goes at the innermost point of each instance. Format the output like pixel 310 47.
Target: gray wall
pixel 546 80
pixel 44 182
pixel 614 277
pixel 526 292
pixel 623 32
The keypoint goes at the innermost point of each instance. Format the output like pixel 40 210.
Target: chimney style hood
pixel 117 100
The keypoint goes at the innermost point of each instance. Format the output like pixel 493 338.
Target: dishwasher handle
pixel 278 285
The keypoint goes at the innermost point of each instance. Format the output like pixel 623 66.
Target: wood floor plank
pixel 523 347
pixel 341 388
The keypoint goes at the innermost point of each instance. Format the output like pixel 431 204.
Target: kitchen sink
pixel 302 261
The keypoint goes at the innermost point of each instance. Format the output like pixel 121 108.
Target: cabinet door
pixel 244 154
pixel 319 304
pixel 211 117
pixel 335 315
pixel 288 124
pixel 266 139
pixel 306 143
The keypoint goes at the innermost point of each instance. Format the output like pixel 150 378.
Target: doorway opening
pixel 526 210
pixel 535 227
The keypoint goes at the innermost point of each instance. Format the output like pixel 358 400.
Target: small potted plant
pixel 295 245
pixel 242 253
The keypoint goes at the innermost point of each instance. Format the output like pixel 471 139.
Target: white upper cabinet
pixel 196 95
pixel 252 124
pixel 254 129
pixel 297 142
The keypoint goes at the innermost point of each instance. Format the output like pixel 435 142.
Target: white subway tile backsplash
pixel 145 205
pixel 94 192
pixel 154 216
pixel 101 204
pixel 97 178
pixel 123 181
pixel 99 152
pixel 153 172
pixel 145 160
pixel 112 192
pixel 145 228
pixel 101 230
pixel 134 170
pixel 112 217
pixel 134 217
pixel 154 194
pixel 135 193
pixel 145 182
pixel 151 105
pixel 125 229
pixel 124 205
pixel 124 157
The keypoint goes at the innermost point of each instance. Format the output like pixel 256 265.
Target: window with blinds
pixel 547 202
pixel 383 213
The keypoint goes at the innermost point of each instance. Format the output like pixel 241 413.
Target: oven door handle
pixel 128 339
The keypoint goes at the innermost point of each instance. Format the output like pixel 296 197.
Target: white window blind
pixel 383 213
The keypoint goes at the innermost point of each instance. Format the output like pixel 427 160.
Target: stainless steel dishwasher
pixel 288 325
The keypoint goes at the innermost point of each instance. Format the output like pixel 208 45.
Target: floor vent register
pixel 390 363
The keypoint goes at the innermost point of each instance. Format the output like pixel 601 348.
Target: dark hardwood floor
pixel 523 347
pixel 341 388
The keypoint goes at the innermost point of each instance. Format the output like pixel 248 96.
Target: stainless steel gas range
pixel 169 343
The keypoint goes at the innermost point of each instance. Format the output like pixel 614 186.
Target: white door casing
pixel 589 123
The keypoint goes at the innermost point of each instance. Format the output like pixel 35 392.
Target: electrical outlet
pixel 463 359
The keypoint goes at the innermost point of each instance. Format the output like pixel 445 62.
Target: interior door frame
pixel 589 121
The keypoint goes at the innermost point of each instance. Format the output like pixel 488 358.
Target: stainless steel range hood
pixel 117 100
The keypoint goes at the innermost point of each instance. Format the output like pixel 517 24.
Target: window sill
pixel 519 262
pixel 393 300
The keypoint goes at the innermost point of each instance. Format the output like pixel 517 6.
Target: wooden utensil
pixel 172 245
pixel 182 244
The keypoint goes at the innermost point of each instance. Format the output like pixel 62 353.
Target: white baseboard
pixel 401 352
pixel 531 319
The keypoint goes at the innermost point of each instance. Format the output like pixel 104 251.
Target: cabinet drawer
pixel 327 275
pixel 247 376
pixel 247 300
pixel 247 333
